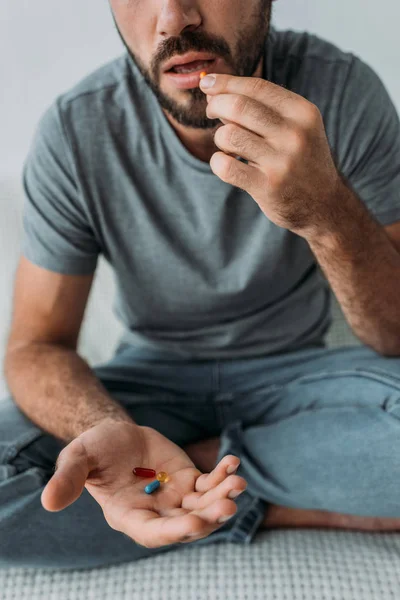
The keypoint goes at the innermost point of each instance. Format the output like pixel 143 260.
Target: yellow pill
pixel 203 74
pixel 162 476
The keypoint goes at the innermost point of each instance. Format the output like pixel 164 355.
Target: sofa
pixel 282 564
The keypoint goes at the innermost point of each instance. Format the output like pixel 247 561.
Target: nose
pixel 177 16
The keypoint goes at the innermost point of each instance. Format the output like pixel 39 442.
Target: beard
pixel 250 49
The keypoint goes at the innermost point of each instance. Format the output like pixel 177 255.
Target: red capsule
pixel 141 472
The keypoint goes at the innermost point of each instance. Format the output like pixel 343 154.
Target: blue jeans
pixel 315 429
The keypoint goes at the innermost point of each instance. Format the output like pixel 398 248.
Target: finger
pixel 249 114
pixel 226 466
pixel 194 538
pixel 148 529
pixel 217 513
pixel 172 512
pixel 225 122
pixel 68 481
pixel 246 177
pixel 230 488
pixel 233 139
pixel 265 92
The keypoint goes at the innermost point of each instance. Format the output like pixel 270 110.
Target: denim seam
pixel 157 399
pixel 220 414
pixel 215 377
pixel 354 372
pixel 377 370
pixel 269 388
pixel 382 378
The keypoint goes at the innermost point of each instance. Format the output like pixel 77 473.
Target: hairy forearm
pixel 57 390
pixel 363 268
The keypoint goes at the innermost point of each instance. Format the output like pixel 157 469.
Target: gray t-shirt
pixel 201 272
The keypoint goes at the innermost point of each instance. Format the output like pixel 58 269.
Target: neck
pixel 200 142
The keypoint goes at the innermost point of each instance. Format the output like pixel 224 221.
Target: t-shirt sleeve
pixel 56 229
pixel 369 142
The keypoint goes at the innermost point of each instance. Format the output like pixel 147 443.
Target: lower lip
pixel 185 81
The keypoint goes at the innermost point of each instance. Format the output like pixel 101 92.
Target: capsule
pixel 142 472
pixel 162 476
pixel 152 487
pixel 203 74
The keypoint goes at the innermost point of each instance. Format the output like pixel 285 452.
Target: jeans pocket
pixel 16 487
pixel 9 449
pixel 6 472
pixel 391 404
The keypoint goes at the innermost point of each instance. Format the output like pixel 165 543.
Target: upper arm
pixel 47 306
pixel 368 142
pixel 60 245
pixel 58 230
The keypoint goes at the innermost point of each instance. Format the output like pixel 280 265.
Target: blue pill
pixel 152 487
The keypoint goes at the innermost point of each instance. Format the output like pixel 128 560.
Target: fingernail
pixel 223 519
pixel 231 469
pixel 234 494
pixel 208 81
pixel 189 537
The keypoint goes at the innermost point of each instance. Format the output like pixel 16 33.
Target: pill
pixel 162 476
pixel 203 74
pixel 152 487
pixel 142 472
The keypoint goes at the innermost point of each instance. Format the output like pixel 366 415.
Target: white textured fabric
pixel 278 565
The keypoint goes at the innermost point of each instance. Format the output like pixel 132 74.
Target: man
pixel 215 206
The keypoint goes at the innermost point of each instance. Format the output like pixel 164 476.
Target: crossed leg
pixel 204 454
pixel 342 415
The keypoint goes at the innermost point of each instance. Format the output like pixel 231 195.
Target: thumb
pixel 68 481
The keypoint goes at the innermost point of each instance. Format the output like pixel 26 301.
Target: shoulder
pixel 308 65
pixel 303 46
pixel 97 84
pixel 77 116
pixel 94 89
pixel 330 77
pixel 94 105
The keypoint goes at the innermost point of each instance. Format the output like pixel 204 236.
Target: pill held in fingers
pixel 152 487
pixel 142 472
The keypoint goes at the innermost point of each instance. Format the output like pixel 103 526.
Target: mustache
pixel 189 42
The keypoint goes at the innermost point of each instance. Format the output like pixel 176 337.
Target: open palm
pixel 189 506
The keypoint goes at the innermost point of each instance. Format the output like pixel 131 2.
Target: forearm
pixel 58 391
pixel 363 269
